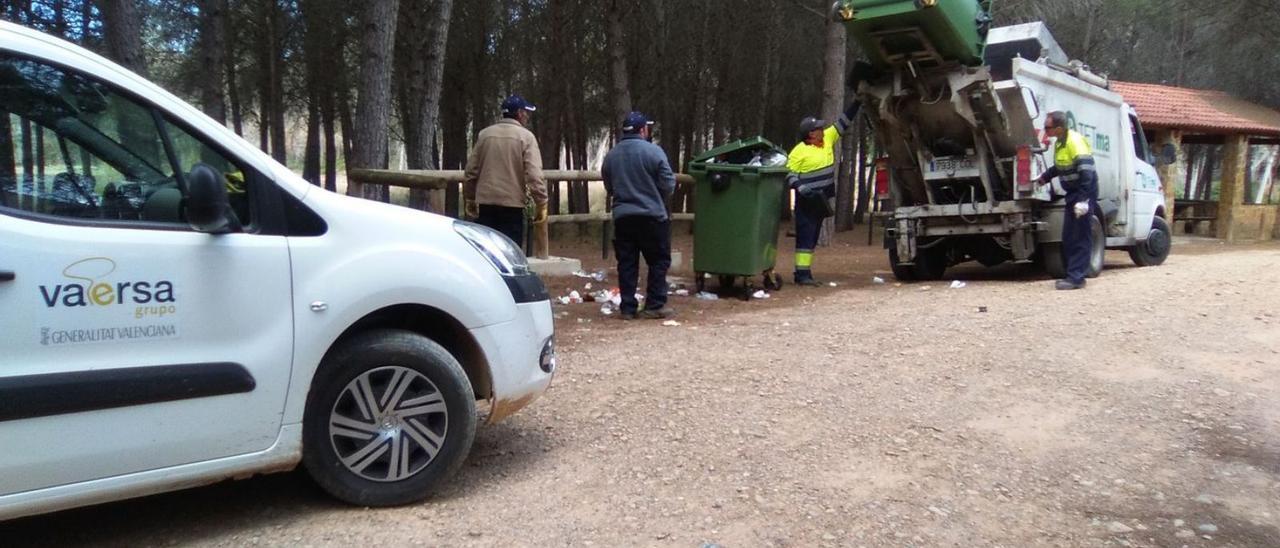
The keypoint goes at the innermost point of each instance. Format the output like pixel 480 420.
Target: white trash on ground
pixel 708 296
pixel 760 294
pixel 671 323
pixel 597 275
pixel 682 292
pixel 957 284
pixel 877 280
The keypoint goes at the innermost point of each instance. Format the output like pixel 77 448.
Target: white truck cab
pixel 180 309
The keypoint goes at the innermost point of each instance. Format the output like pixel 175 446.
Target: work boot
pixel 805 277
pixel 1067 285
pixel 658 314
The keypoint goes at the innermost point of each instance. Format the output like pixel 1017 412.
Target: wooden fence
pixel 443 179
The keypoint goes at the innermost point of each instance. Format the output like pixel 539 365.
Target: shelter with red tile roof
pixel 1181 116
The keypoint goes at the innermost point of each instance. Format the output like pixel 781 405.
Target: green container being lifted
pixel 738 193
pixel 926 33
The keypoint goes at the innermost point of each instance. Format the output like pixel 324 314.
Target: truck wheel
pixel 1155 249
pixel 1098 255
pixel 1051 259
pixel 390 414
pixel 931 263
pixel 901 272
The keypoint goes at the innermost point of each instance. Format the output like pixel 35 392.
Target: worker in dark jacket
pixel 639 181
pixel 1074 167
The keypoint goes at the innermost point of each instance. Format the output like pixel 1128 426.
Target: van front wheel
pixel 1155 249
pixel 389 415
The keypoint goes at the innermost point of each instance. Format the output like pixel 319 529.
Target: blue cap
pixel 635 121
pixel 516 103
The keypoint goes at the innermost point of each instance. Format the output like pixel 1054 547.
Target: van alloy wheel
pixel 388 424
pixel 389 415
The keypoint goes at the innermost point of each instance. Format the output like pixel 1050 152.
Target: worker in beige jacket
pixel 504 171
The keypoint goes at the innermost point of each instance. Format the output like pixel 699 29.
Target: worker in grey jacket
pixel 639 181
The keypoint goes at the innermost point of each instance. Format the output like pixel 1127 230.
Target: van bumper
pixel 521 357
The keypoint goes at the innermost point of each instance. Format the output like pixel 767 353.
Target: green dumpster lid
pixel 753 143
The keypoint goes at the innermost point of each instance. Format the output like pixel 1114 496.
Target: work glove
pixel 1081 209
pixel 471 210
pixel 539 213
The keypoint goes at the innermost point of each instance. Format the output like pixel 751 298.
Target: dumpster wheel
pixel 772 280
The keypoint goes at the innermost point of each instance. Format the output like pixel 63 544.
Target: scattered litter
pixel 575 297
pixel 597 275
pixel 877 280
pixel 832 284
pixel 615 298
pixel 602 296
pixel 563 300
pixel 606 309
pixel 682 292
pixel 671 323
pixel 982 309
pixel 588 286
pixel 957 284
pixel 926 288
pixel 708 296
pixel 760 294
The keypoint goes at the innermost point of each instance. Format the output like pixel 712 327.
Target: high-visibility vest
pixel 1073 157
pixel 813 166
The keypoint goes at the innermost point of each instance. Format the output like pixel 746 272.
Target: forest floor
pixel 1141 411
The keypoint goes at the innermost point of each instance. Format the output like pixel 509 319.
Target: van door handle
pixel 6 275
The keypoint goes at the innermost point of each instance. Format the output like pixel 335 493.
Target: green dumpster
pixel 738 194
pixel 924 32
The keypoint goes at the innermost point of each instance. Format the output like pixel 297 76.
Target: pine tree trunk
pixel 211 50
pixel 233 86
pixel 311 156
pixel 618 61
pixel 421 37
pixel 8 163
pixel 373 106
pixel 122 29
pixel 832 94
pixel 275 56
pixel 860 164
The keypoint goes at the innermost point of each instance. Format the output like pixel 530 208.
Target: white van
pixel 179 309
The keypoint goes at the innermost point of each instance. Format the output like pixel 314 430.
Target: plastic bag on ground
pixel 708 296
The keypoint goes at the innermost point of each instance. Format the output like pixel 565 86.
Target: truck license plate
pixel 952 167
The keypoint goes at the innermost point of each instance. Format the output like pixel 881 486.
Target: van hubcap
pixel 388 424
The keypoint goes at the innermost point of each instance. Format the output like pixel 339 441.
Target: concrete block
pixel 554 266
pixel 1204 228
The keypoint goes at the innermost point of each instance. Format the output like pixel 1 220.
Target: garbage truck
pixel 957 109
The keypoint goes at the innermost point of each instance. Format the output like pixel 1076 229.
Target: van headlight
pixel 502 253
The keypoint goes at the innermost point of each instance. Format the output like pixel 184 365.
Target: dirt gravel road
pixel 1143 411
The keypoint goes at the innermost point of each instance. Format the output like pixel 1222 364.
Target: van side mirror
pixel 207 207
pixel 1166 155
